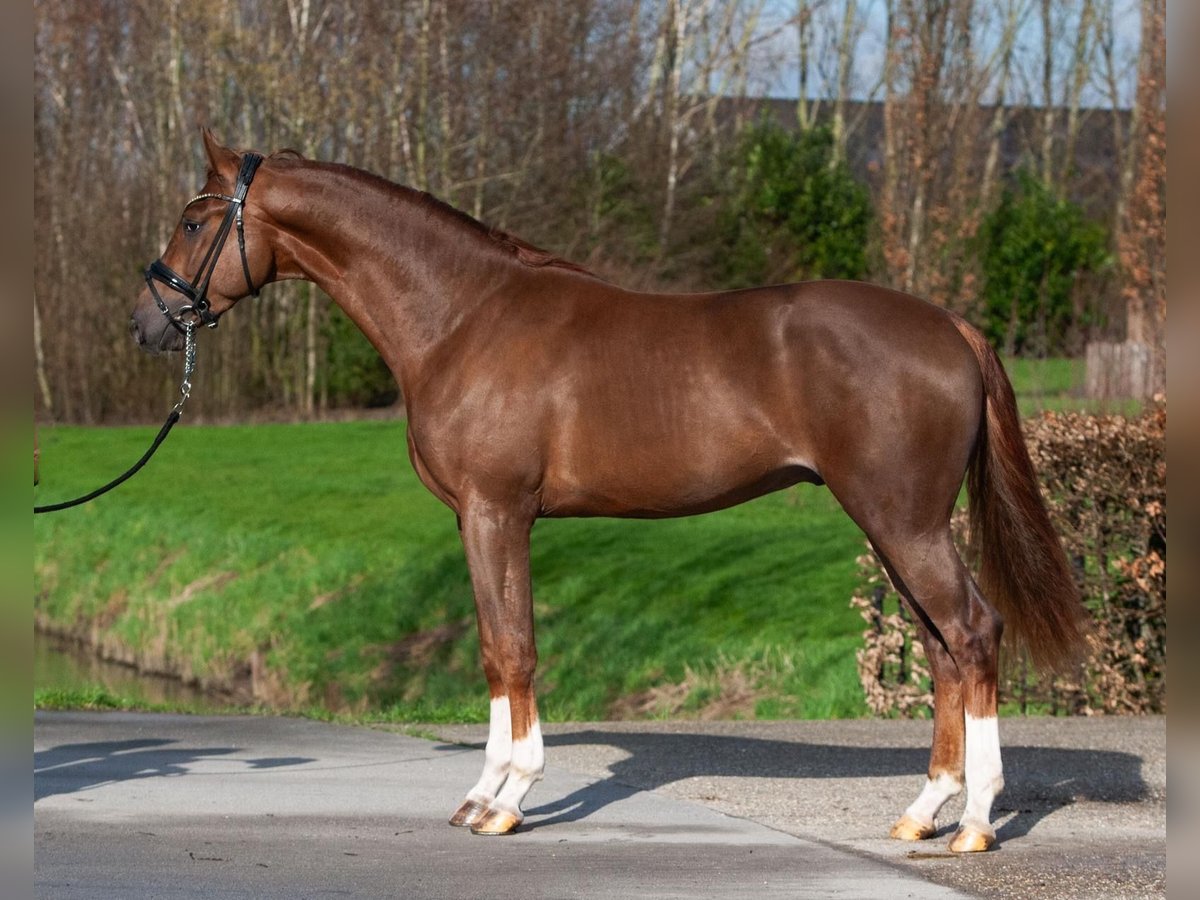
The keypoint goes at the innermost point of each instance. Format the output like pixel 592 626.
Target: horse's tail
pixel 1023 570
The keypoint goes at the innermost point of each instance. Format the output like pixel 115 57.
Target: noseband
pixel 196 290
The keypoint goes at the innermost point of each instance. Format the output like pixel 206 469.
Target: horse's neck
pixel 405 275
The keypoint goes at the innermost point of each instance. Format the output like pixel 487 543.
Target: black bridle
pixel 197 293
pixel 196 290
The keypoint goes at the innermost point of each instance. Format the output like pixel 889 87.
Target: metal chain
pixel 189 362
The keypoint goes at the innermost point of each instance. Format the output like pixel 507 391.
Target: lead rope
pixel 185 391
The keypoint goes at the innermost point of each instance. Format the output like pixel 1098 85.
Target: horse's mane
pixel 525 253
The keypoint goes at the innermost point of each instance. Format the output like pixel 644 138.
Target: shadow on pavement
pixel 1038 779
pixel 68 768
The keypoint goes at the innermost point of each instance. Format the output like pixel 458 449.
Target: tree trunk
pixel 999 121
pixel 803 35
pixel 890 218
pixel 421 173
pixel 1143 250
pixel 1047 155
pixel 1080 69
pixel 39 361
pixel 445 134
pixel 845 53
pixel 677 24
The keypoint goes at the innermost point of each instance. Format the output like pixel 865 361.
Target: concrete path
pixel 133 805
pixel 1083 813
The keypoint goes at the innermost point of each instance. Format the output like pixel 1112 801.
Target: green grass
pixel 1056 385
pixel 313 550
pixel 88 697
pixel 95 696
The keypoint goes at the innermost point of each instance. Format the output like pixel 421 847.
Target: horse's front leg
pixel 496 538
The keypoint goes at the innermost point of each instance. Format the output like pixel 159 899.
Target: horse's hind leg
pixel 961 634
pixel 496 539
pixel 945 774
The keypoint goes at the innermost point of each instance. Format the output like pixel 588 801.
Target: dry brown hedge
pixel 1105 482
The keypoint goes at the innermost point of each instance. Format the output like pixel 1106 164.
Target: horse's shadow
pixel 1039 780
pixel 69 768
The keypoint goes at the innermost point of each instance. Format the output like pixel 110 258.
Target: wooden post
pixel 1121 371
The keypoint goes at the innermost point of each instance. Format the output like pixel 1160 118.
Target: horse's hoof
pixel 468 814
pixel 497 821
pixel 909 829
pixel 969 839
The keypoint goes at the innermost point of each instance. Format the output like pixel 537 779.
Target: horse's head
pixel 213 259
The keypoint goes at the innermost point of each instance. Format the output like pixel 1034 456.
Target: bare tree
pixel 1081 65
pixel 1143 246
pixel 804 28
pixel 847 38
pixel 600 127
pixel 1014 14
pixel 1048 96
pixel 1112 74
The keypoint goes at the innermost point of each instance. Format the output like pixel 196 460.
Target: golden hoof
pixel 496 822
pixel 909 829
pixel 971 840
pixel 468 814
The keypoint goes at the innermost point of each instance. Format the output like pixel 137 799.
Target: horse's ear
pixel 221 160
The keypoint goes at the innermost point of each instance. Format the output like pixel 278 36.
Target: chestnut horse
pixel 535 388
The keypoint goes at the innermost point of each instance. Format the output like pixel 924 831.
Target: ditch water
pixel 66 665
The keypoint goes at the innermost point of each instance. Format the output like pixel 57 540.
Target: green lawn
pixel 310 558
pixel 1057 385
pixel 312 554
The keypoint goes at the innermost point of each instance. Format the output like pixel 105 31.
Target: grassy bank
pixel 305 567
pixel 307 563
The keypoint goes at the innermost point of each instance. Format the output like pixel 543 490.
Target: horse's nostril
pixel 135 330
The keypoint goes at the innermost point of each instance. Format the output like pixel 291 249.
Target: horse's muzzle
pixel 154 337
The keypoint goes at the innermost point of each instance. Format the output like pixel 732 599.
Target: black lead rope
pixel 185 390
pixel 162 436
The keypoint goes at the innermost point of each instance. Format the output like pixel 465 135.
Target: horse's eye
pixel 190 227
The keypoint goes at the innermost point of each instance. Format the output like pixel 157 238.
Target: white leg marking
pixel 497 755
pixel 933 797
pixel 985 776
pixel 528 764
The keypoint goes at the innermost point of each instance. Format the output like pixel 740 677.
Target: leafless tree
pixel 1143 240
pixel 523 112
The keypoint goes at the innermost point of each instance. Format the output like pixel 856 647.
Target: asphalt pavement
pixel 134 805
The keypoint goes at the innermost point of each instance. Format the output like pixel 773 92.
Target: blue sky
pixel 775 67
